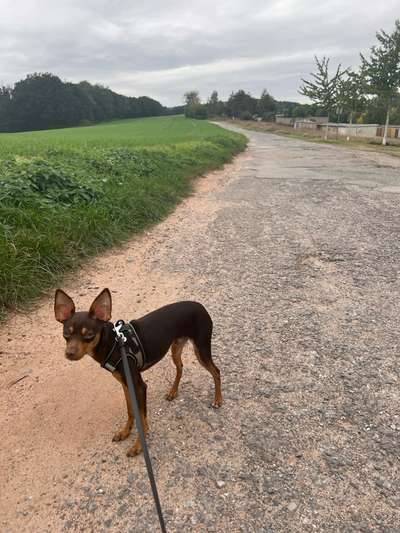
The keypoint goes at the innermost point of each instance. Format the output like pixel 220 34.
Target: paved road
pixel 314 235
pixel 295 251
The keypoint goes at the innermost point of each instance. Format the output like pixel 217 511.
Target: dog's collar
pixel 134 349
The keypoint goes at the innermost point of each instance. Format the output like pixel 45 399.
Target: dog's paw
pixel 171 395
pixel 120 435
pixel 216 404
pixel 135 450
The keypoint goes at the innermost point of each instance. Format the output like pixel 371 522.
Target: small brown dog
pixel 91 332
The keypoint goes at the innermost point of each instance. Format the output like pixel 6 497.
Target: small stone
pixel 292 506
pixel 69 503
pixel 220 483
pixel 92 506
pixel 122 510
pixel 131 477
pixel 384 483
pixel 124 493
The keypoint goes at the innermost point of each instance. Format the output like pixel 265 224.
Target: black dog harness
pixel 134 350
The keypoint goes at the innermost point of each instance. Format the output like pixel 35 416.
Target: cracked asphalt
pixel 294 250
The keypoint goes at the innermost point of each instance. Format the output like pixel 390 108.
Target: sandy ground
pixel 294 250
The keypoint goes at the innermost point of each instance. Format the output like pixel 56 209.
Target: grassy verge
pixel 69 194
pixel 368 144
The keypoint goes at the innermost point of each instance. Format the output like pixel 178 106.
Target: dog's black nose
pixel 70 355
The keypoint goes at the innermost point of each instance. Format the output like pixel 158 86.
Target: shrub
pixel 197 111
pixel 246 115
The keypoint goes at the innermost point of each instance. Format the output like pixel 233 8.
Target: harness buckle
pixel 117 328
pixel 110 367
pixel 134 347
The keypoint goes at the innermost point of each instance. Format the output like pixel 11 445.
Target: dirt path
pixel 295 251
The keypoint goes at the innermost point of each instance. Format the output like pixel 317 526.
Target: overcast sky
pixel 166 47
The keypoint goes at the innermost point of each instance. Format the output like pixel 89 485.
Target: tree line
pixel 44 101
pixel 239 105
pixel 370 94
pixel 244 106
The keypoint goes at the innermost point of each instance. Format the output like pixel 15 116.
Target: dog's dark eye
pixel 66 336
pixel 88 339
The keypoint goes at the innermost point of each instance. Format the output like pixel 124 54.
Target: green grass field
pixel 139 132
pixel 68 194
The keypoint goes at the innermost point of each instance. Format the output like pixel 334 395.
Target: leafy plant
pixel 37 180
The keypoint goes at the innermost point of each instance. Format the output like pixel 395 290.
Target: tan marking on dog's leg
pixel 124 433
pixel 141 390
pixel 137 445
pixel 214 371
pixel 176 352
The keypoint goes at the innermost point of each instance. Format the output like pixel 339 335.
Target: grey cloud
pixel 162 49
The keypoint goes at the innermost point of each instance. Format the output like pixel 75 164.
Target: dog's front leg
pixel 141 388
pixel 124 433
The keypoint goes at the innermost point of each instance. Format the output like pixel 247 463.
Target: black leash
pixel 129 381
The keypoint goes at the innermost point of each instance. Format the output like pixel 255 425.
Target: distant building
pixel 290 121
pixel 345 130
pixel 393 132
pixel 286 121
pixel 310 122
pixel 324 127
pixel 358 130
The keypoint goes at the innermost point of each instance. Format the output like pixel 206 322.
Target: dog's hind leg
pixel 202 349
pixel 176 352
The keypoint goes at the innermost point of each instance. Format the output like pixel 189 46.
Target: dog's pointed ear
pixel 64 306
pixel 101 306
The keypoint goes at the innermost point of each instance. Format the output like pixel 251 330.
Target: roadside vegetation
pixel 69 194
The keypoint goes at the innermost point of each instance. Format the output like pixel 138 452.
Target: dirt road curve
pixel 295 251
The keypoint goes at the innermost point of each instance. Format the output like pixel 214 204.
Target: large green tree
pixel 266 105
pixel 382 70
pixel 351 94
pixel 214 105
pixel 323 88
pixel 191 98
pixel 5 104
pixel 38 102
pixel 241 105
pixel 193 106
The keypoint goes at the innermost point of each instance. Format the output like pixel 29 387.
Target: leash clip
pixel 117 328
